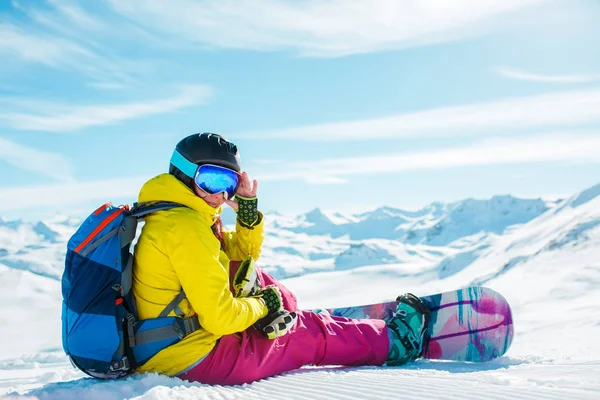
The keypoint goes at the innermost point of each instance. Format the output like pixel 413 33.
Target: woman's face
pixel 213 200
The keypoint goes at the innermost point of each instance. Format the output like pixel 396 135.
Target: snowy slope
pixel 30 303
pixel 547 266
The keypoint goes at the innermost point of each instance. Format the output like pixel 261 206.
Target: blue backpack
pixel 101 332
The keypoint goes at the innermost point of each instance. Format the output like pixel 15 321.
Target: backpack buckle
pixel 179 331
pixel 120 365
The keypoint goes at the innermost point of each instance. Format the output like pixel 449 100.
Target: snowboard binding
pixel 409 325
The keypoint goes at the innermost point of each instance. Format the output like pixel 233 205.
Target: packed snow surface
pixel 544 257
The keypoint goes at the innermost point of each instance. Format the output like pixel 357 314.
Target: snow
pixel 543 256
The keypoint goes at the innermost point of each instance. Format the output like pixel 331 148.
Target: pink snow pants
pixel 315 339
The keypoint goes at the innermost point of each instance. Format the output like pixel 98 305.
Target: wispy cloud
pixel 506 116
pixel 67 38
pixel 544 148
pixel 106 85
pixel 64 118
pixel 74 13
pixel 581 148
pixel 44 163
pixel 63 195
pixel 326 28
pixel 528 76
pixel 41 48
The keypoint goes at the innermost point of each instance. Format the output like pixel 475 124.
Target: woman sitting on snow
pixel 249 325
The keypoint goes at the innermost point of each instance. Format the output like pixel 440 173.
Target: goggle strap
pixel 179 161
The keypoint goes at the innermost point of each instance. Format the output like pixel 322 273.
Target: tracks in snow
pixel 514 379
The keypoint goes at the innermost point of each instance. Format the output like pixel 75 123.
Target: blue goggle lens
pixel 214 179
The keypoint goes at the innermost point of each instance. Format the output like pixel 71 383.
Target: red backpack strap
pixel 217 229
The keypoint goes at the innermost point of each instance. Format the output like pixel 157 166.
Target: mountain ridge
pixel 322 241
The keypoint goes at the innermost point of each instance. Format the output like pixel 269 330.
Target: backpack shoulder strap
pixel 174 306
pixel 128 229
pixel 140 210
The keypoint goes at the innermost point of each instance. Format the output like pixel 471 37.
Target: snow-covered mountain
pixel 38 247
pixel 388 235
pixel 316 241
pixel 543 256
pixel 437 224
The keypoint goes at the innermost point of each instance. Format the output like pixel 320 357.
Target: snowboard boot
pixel 408 327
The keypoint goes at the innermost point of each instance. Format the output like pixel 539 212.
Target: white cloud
pixel 44 163
pixel 320 179
pixel 528 76
pixel 22 198
pixel 72 12
pixel 66 47
pixel 543 148
pixel 318 28
pixel 63 118
pixel 554 148
pixel 106 85
pixel 508 115
pixel 40 48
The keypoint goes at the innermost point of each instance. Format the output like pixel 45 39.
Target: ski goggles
pixel 208 177
pixel 214 179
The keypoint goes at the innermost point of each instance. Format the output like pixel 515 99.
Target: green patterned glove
pixel 272 298
pixel 247 211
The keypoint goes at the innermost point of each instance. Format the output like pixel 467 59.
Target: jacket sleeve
pixel 245 240
pixel 206 282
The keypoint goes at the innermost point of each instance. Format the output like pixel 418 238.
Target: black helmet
pixel 202 148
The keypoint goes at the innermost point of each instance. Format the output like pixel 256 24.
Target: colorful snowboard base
pixel 470 324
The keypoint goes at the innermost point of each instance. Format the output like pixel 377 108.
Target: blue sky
pixel 339 104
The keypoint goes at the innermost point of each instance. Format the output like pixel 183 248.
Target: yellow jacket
pixel 177 249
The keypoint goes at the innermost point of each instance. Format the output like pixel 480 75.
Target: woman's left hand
pixel 245 189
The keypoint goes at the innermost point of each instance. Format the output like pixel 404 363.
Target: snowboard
pixel 470 324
